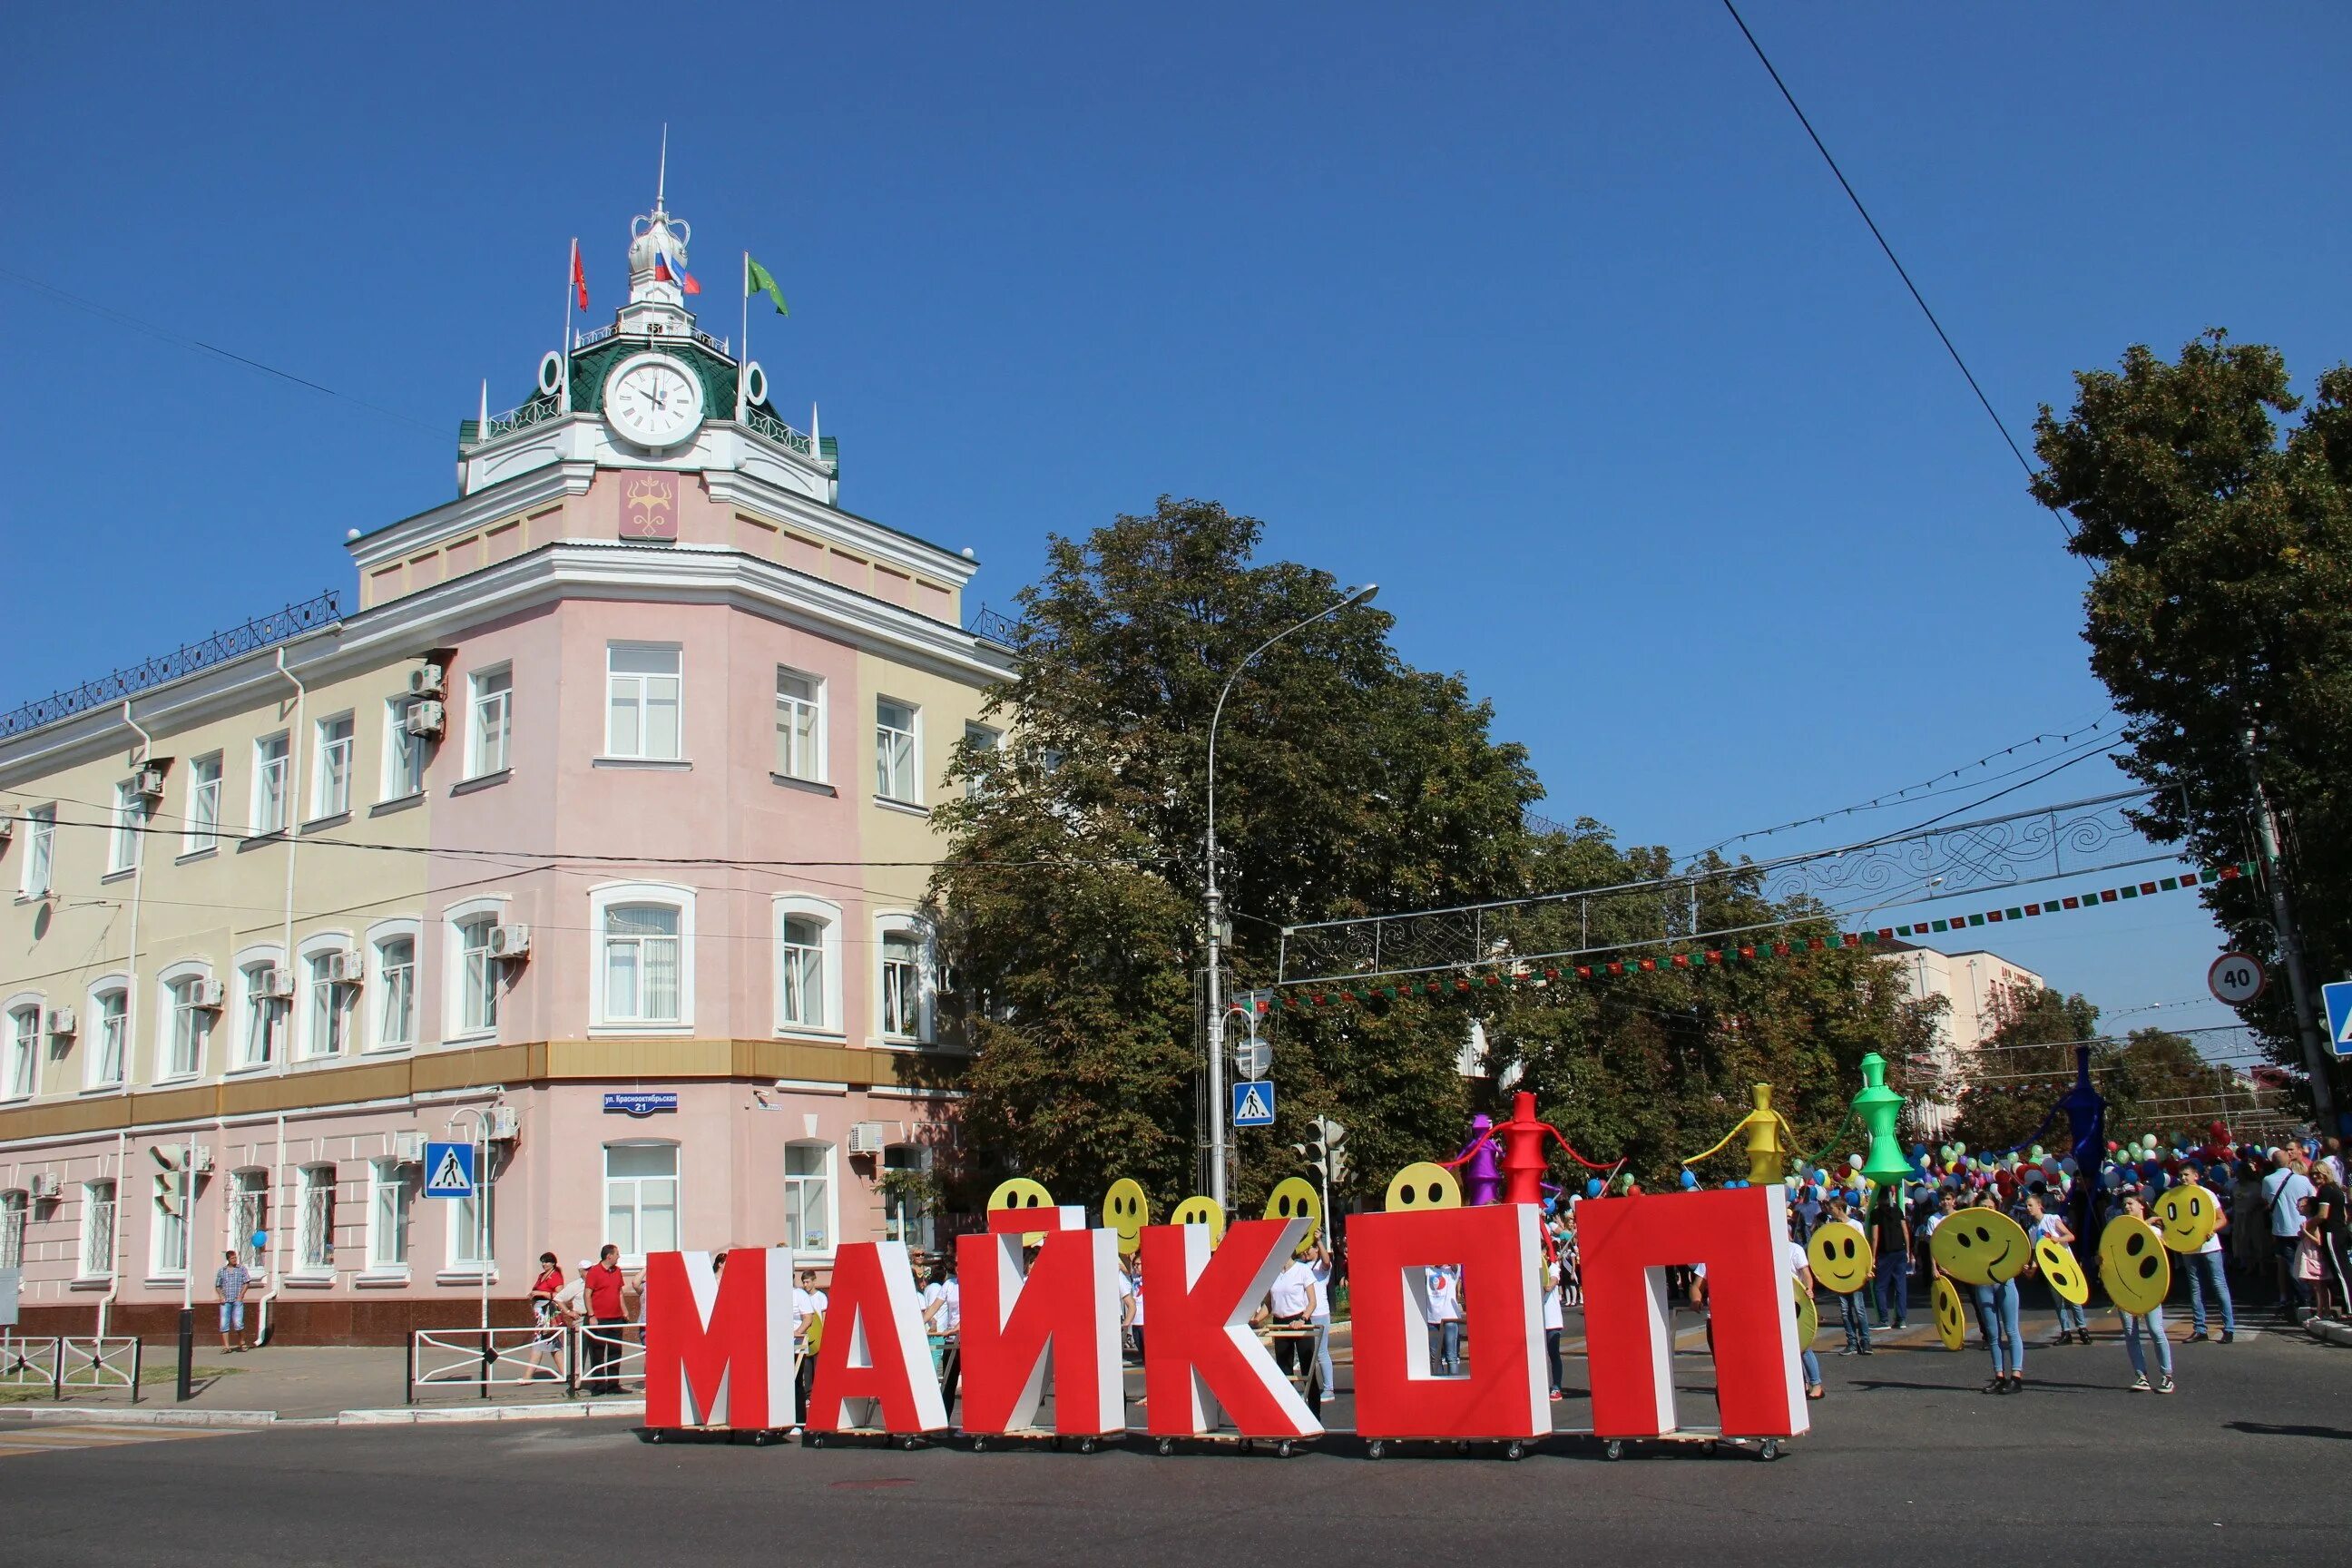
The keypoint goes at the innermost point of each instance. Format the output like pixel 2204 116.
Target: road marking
pixel 93 1434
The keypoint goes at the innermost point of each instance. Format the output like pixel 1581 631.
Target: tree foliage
pixel 2220 600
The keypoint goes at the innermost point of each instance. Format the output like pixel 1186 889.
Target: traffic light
pixel 1321 1152
pixel 171 1197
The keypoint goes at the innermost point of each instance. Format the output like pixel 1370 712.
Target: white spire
pixel 816 446
pixel 661 176
pixel 482 430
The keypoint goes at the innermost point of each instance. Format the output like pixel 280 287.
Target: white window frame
pixel 383 983
pixel 334 746
pixel 794 712
pixel 489 718
pixel 22 1066
pixel 404 753
pixel 177 1018
pixel 635 690
pixel 244 1215
pixel 202 830
pixel 390 1198
pixel 89 1232
pixel 802 906
pixel 126 827
pixel 905 922
pixel 636 1186
pixel 345 999
pixel 242 996
pixel 830 1176
pixel 264 768
pixel 39 875
pixel 453 921
pixel 315 1202
pixel 15 1206
pixel 473 1223
pixel 925 1222
pixel 884 745
pixel 164 1229
pixel 980 737
pixel 96 1047
pixel 601 900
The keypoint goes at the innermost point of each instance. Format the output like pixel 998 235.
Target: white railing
pixel 65 1363
pixel 485 1359
pixel 27 1363
pixel 621 1343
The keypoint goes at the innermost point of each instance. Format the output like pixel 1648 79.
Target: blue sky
pixel 1547 318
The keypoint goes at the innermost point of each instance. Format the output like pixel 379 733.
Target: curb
pixel 79 1415
pixel 2329 1332
pixel 403 1415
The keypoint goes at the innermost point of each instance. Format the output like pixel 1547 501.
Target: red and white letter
pixel 1201 1354
pixel 1625 1246
pixel 1501 1259
pixel 718 1349
pixel 1067 1301
pixel 875 1354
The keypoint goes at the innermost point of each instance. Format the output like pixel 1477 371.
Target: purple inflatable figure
pixel 1482 1181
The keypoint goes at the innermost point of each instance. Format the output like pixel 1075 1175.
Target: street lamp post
pixel 1215 903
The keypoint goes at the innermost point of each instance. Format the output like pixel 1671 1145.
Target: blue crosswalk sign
pixel 1254 1104
pixel 449 1170
pixel 2339 1016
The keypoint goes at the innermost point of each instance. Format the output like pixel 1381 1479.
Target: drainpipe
pixel 114 1242
pixel 294 749
pixel 276 1236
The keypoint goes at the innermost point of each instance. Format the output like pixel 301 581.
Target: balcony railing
pixel 762 422
pixel 265 631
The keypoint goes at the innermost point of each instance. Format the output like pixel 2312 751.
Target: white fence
pixel 65 1363
pixel 594 1358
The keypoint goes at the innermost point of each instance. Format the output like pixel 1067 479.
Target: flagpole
pixel 564 343
pixel 743 368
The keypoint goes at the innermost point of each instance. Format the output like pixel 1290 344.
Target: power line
pixel 136 323
pixel 1900 271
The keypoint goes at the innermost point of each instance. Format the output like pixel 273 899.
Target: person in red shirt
pixel 546 1340
pixel 608 1317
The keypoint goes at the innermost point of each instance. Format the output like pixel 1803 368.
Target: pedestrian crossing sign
pixel 449 1170
pixel 1254 1104
pixel 2338 996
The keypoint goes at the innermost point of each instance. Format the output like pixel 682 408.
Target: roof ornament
pixel 657 238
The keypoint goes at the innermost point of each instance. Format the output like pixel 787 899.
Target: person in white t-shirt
pixel 1318 1258
pixel 2204 1267
pixel 808 1332
pixel 1291 1299
pixel 1555 1320
pixel 1444 1315
pixel 942 1303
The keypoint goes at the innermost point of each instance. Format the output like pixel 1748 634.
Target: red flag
pixel 579 275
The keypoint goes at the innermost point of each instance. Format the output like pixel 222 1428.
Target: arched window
pixel 905 979
pixel 330 996
pixel 472 977
pixel 189 1006
pixel 19 1073
pixel 392 968
pixel 109 1034
pixel 264 1000
pixel 644 976
pixel 808 964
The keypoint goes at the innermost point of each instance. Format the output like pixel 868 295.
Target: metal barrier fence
pixel 72 1362
pixel 581 1357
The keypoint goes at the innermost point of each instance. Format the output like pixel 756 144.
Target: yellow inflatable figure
pixel 1769 1138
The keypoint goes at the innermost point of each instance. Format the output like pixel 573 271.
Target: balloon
pixel 261 1239
pixel 2038 1153
pixel 1854 1161
pixel 1593 1187
pixel 1960 1147
pixel 1690 1180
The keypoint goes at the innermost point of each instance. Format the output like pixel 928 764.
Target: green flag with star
pixel 758 280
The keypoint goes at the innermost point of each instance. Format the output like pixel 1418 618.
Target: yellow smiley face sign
pixel 1951 1322
pixel 1980 1246
pixel 2133 1266
pixel 1840 1256
pixel 1126 1211
pixel 1202 1211
pixel 1021 1193
pixel 1294 1198
pixel 2187 1217
pixel 1809 1316
pixel 2067 1281
pixel 1424 1185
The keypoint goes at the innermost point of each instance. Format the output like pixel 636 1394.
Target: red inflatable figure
pixel 1523 1151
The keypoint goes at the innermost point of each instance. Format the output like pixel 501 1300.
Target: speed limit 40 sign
pixel 2236 978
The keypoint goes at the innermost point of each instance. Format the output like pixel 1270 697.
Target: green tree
pixel 2220 599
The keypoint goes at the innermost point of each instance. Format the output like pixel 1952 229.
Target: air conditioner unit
pixel 7 829
pixel 510 942
pixel 209 994
pixel 62 1021
pixel 201 1161
pixel 866 1137
pixel 426 720
pixel 45 1183
pixel 275 980
pixel 505 1125
pixel 148 783
pixel 427 680
pixel 347 967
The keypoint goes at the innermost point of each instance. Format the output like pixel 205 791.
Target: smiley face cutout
pixel 1021 1193
pixel 1951 1323
pixel 1808 1315
pixel 1293 1197
pixel 2067 1280
pixel 1202 1211
pixel 2133 1266
pixel 1980 1246
pixel 1424 1185
pixel 1840 1258
pixel 2186 1217
pixel 1126 1211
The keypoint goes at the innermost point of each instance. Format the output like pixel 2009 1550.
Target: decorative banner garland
pixel 1749 952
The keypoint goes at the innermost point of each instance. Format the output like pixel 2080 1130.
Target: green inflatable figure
pixel 1878 1108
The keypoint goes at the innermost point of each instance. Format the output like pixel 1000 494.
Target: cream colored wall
pixel 204 906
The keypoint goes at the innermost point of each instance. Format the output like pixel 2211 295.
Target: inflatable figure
pixel 1769 1137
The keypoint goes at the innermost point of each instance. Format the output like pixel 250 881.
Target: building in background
pixel 1979 991
pixel 597 832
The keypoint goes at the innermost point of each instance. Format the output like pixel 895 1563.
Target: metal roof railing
pixel 263 631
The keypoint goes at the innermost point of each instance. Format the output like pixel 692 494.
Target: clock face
pixel 654 401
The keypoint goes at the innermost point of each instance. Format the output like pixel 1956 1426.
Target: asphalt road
pixel 1909 1463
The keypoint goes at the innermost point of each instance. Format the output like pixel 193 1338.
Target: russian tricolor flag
pixel 665 273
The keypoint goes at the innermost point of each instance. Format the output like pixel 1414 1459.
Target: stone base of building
pixel 291 1322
